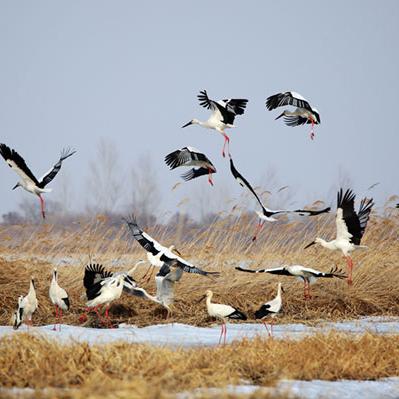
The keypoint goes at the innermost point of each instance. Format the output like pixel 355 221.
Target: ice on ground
pixel 387 388
pixel 183 335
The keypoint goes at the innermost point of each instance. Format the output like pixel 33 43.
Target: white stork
pixel 28 180
pixel 222 312
pixel 303 113
pixel 270 309
pixel 267 215
pixel 190 156
pixel 222 117
pixel 157 254
pixel 350 227
pixel 59 297
pixel 306 274
pixel 27 305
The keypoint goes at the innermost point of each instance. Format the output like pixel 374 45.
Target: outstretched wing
pixel 364 214
pixel 194 173
pixel 287 98
pixel 17 163
pixel 277 270
pixel 187 267
pixel 304 212
pixel 49 176
pixel 295 120
pixel 94 273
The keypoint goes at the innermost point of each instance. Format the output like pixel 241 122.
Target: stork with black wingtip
pixel 267 215
pixel 28 180
pixel 304 113
pixel 305 274
pixel 190 156
pixel 270 309
pixel 27 305
pixel 222 117
pixel 350 227
pixel 60 299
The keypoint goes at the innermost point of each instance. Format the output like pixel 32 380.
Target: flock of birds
pixel 103 287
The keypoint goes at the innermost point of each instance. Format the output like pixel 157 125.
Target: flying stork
pixel 222 312
pixel 268 214
pixel 222 117
pixel 59 297
pixel 157 254
pixel 304 112
pixel 306 274
pixel 190 156
pixel 28 180
pixel 270 309
pixel 350 227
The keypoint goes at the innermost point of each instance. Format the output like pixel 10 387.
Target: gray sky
pixel 72 72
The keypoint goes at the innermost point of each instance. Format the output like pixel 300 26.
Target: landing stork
pixel 222 117
pixel 350 227
pixel 303 114
pixel 29 182
pixel 267 215
pixel 190 156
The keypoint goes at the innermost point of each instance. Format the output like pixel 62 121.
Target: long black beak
pixel 16 186
pixel 177 251
pixel 187 124
pixel 201 299
pixel 282 290
pixel 309 245
pixel 279 116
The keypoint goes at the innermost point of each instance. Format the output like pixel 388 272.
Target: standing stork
pixel 267 215
pixel 350 227
pixel 27 305
pixel 28 180
pixel 303 113
pixel 59 297
pixel 306 274
pixel 270 309
pixel 222 312
pixel 157 254
pixel 190 156
pixel 222 117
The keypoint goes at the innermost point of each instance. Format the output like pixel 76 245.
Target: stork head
pixel 55 273
pixel 17 185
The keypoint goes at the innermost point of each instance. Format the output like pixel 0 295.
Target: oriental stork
pixel 222 117
pixel 27 305
pixel 28 180
pixel 59 297
pixel 350 227
pixel 304 112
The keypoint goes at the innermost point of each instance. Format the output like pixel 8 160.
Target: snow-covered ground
pixel 183 335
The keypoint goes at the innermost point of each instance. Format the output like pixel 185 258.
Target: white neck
pixel 327 244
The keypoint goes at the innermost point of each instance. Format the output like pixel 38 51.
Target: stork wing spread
pixel 194 173
pixel 287 98
pixel 49 176
pixel 349 224
pixel 295 120
pixel 303 212
pixel 154 247
pixel 277 270
pixel 94 274
pixel 17 163
pixel 185 156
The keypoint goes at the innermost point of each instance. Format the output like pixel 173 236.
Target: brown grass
pixel 145 371
pixel 30 251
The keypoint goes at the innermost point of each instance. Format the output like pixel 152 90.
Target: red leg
pixel 265 324
pixel 258 229
pixel 56 317
pixel 42 206
pixel 226 141
pixel 225 333
pixel 210 177
pixel 312 129
pixel 221 333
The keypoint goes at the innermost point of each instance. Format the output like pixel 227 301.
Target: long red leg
pixel 226 141
pixel 259 227
pixel 56 317
pixel 221 333
pixel 265 324
pixel 350 267
pixel 225 333
pixel 210 176
pixel 312 129
pixel 42 206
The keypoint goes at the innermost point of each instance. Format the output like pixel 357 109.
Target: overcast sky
pixel 73 72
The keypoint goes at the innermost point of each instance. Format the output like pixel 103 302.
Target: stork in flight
pixel 267 215
pixel 350 227
pixel 28 180
pixel 157 254
pixel 304 112
pixel 222 117
pixel 190 156
pixel 305 274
